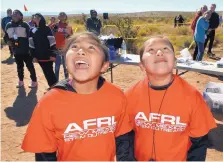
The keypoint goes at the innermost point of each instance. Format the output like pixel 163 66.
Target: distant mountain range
pixel 134 14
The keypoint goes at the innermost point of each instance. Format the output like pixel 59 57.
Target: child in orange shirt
pixel 83 118
pixel 170 118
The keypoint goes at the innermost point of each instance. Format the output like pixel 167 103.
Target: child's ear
pixel 104 67
pixel 141 66
pixel 175 62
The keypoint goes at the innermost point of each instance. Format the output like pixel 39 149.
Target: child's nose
pixel 80 52
pixel 159 52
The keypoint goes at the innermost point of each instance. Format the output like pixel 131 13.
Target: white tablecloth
pixel 201 67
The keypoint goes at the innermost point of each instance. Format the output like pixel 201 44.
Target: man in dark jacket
pixel 17 37
pixel 43 48
pixel 178 20
pixel 213 25
pixel 4 22
pixel 93 23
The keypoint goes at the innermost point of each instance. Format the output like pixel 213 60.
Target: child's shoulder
pixel 113 89
pixel 58 91
pixel 49 100
pixel 137 88
pixel 187 88
pixel 201 19
pixel 139 85
pixel 52 95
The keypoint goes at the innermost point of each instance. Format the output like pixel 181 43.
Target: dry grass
pixel 145 24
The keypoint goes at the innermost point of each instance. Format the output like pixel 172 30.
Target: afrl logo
pixel 162 122
pixel 90 128
pixel 164 119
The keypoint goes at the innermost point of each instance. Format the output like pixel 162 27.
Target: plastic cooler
pixel 213 95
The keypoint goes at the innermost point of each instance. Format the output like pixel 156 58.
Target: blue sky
pixel 77 6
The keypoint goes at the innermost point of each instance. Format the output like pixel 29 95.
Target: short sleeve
pixel 132 98
pixel 123 124
pixel 202 120
pixel 39 136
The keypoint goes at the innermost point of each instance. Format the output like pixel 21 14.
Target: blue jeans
pixel 200 53
pixel 60 58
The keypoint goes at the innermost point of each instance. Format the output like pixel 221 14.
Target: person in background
pixel 202 10
pixel 31 22
pixel 214 23
pixel 4 22
pixel 61 31
pixel 6 19
pixel 52 22
pixel 220 20
pixel 43 48
pixel 178 21
pixel 200 33
pixel 193 25
pixel 17 37
pixel 93 24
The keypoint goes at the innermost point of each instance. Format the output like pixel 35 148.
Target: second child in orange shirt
pixel 170 118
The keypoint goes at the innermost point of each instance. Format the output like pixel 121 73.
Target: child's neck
pixel 160 80
pixel 85 88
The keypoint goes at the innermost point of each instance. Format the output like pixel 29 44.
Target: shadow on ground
pixel 23 106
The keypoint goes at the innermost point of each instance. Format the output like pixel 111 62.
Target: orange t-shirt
pixel 77 126
pixel 183 114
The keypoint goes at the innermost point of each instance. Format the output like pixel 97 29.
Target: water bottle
pixel 112 52
pixel 123 46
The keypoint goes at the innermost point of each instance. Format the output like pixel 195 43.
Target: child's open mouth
pixel 80 64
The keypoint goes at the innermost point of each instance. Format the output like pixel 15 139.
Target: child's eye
pixel 91 47
pixel 74 46
pixel 151 50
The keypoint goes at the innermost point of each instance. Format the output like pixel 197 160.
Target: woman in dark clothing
pixel 43 48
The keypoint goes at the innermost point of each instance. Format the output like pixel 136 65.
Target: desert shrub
pixel 183 30
pixel 154 29
pixel 143 32
pixel 150 20
pixel 218 40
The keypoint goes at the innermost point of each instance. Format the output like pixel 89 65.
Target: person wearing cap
pixel 4 22
pixel 17 37
pixel 93 23
pixel 61 32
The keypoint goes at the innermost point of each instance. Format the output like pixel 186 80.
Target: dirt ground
pixel 18 104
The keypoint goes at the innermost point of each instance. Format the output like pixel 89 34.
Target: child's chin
pixel 161 72
pixel 81 79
